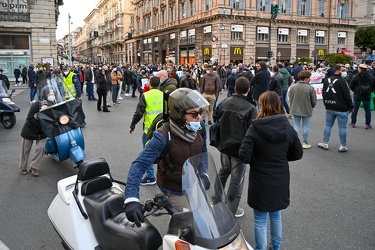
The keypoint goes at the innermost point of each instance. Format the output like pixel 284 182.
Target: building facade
pixel 196 31
pixel 27 33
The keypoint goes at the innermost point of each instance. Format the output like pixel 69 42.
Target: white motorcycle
pixel 88 213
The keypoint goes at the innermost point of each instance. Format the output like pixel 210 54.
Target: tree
pixel 365 39
pixel 337 58
pixel 303 59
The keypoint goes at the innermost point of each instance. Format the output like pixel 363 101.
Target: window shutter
pixel 308 8
pixel 242 4
pixel 299 7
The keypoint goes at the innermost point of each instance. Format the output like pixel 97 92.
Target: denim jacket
pixel 146 158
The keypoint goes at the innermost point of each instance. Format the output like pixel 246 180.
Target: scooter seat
pixel 92 168
pixel 111 227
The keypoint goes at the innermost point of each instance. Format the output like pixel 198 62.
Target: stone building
pixel 27 32
pixel 195 31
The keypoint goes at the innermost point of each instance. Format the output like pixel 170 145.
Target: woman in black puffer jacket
pixel 32 131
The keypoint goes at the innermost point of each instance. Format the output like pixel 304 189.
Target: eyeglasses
pixel 195 113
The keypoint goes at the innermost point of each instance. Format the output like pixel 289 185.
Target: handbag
pixel 214 134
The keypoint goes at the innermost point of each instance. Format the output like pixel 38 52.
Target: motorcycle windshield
pixel 213 224
pixel 49 117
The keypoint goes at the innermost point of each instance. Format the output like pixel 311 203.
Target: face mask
pixel 344 74
pixel 114 70
pixel 193 126
pixel 51 98
pixel 66 72
pixel 208 72
pixel 92 68
pixel 40 71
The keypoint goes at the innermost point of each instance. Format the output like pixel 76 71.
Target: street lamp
pixel 70 43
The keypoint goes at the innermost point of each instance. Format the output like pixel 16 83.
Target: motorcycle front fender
pixel 77 154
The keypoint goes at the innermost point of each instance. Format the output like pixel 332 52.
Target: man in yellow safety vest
pixel 72 85
pixel 149 106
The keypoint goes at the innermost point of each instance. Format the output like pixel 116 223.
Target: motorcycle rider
pixel 185 109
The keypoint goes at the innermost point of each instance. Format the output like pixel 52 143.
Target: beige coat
pixel 116 77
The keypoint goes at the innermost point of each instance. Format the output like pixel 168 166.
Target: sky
pixel 78 10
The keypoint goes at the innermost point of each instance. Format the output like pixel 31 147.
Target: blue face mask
pixel 193 126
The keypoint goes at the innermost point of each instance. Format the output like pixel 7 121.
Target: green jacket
pixel 287 78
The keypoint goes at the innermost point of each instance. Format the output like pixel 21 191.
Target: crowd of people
pixel 256 108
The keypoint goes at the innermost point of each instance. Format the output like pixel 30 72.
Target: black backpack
pixel 364 87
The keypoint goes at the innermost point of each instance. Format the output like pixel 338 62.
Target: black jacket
pixel 102 83
pixel 259 83
pixel 31 75
pixel 269 144
pixel 275 84
pixel 336 94
pixel 355 83
pixel 235 115
pixel 188 83
pixel 32 129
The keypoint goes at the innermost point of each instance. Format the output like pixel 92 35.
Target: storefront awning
pixel 349 53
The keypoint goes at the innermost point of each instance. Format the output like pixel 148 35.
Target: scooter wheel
pixel 8 120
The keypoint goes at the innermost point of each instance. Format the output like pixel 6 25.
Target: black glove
pixel 205 181
pixel 134 213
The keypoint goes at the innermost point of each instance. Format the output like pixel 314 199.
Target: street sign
pixel 278 53
pixel 224 45
pixel 313 53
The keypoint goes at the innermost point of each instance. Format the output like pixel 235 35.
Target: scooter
pixel 88 213
pixel 61 123
pixel 7 107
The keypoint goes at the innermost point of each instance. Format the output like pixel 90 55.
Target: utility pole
pixel 274 12
pixel 70 44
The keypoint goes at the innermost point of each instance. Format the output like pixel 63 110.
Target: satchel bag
pixel 215 134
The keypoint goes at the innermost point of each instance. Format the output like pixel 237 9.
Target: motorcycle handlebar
pixel 158 203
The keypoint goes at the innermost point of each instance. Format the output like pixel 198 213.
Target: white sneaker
pixel 127 94
pixel 323 145
pixel 306 145
pixel 119 98
pixel 343 148
pixel 239 213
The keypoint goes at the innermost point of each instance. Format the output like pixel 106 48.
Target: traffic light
pixel 269 53
pixel 274 10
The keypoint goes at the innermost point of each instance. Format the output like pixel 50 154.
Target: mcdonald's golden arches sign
pixel 206 51
pixel 236 53
pixel 321 52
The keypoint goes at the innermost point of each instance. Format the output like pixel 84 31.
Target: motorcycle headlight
pixel 64 119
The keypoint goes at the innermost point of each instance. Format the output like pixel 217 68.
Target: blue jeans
pixel 366 105
pixel 305 125
pixel 260 229
pixel 115 89
pixel 236 169
pixel 90 90
pixel 342 121
pixel 284 102
pixel 32 93
pixel 150 171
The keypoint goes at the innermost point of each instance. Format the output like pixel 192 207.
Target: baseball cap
pixel 245 68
